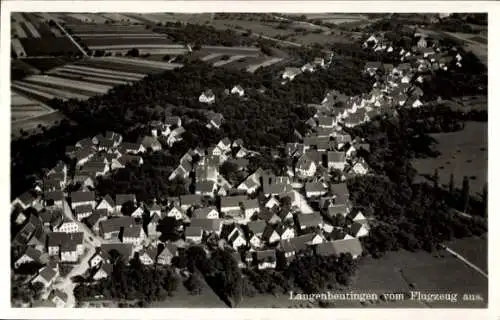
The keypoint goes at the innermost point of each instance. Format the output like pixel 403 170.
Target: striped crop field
pixel 55 91
pixel 266 63
pixel 23 107
pixel 63 82
pixel 99 72
pixel 18 30
pixel 220 63
pixel 81 28
pixel 95 43
pixel 141 62
pixel 18 48
pixel 46 17
pixel 17 17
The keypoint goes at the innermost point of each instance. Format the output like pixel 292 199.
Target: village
pixel 264 219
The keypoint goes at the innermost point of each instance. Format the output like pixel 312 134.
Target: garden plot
pixel 32 92
pixel 53 91
pixel 18 17
pixel 32 30
pixel 96 69
pixel 142 62
pixel 94 72
pixel 48 80
pixel 121 67
pixel 97 80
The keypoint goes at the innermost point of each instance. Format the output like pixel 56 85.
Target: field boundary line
pixel 467 262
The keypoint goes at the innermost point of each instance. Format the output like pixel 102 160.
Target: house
pixel 138 212
pixel 315 189
pixel 158 128
pixel 107 204
pixel 236 238
pixel 81 198
pixel 270 235
pixel 193 234
pixel 24 201
pixel 206 213
pixel 132 148
pixel 250 208
pixel 93 221
pixel 265 259
pixel 290 73
pixel 176 212
pixel 336 160
pixel 151 142
pixel 173 121
pixel 238 90
pixel 341 209
pixel 360 167
pixel 297 245
pixel 83 155
pixel 54 198
pixel 215 120
pixel 66 225
pixel 272 202
pixel 337 247
pixel 58 297
pixel 309 67
pixel 422 43
pixel 109 251
pixel 232 204
pixel 309 220
pixel 148 256
pixel 46 276
pixel 319 62
pixel 207 97
pixel 175 136
pixel 359 230
pixel 189 200
pixel 30 255
pixel 285 232
pixel 305 167
pixel 133 234
pixel 155 209
pixel 208 226
pixel 112 228
pixel 66 245
pixel 121 199
pixel 255 231
pixel 166 255
pixel 414 102
pixel 206 188
pixel 427 52
pixel 250 185
pixel 372 67
pixel 83 211
pixel 182 171
pixel 326 122
pixel 104 271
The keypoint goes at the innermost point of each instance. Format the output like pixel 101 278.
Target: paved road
pixel 71 38
pixel 467 262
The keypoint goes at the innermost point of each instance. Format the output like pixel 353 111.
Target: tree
pixel 451 185
pixel 435 179
pixel 194 284
pixel 134 52
pixel 465 193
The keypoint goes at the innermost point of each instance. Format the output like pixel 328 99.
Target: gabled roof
pixel 352 246
pixel 32 253
pixel 232 201
pixel 202 213
pixel 123 198
pixel 257 227
pixel 205 186
pixel 315 187
pixel 209 225
pixel 190 199
pixel 83 209
pixel 337 209
pixel 133 231
pixel 309 220
pixel 108 199
pixel 82 196
pixel 47 273
pixel 62 238
pixel 339 189
pixel 54 195
pixel 125 249
pixel 373 64
pixel 115 224
pixel 334 156
pixel 193 231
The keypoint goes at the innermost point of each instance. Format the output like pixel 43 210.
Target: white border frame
pixel 251 6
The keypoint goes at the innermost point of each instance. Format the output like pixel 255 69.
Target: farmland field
pixel 266 28
pixel 103 42
pixel 463 153
pixel 31 124
pixel 44 64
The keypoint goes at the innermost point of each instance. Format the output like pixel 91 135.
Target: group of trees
pixel 408 215
pixel 203 35
pixel 131 282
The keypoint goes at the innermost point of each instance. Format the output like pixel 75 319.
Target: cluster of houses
pixel 318 63
pixel 208 96
pixel 265 218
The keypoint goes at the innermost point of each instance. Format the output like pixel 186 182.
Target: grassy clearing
pixel 474 249
pixel 463 153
